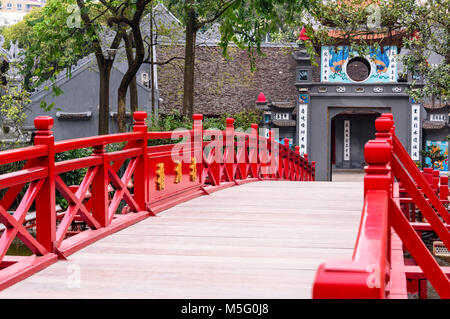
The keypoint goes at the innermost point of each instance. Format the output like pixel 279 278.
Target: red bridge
pixel 138 226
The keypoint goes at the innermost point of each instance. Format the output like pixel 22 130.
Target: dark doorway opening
pixel 350 131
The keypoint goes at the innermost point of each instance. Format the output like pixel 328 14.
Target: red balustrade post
pixel 428 174
pixel 197 144
pixel 443 189
pixel 313 171
pixel 435 181
pixel 229 149
pixel 384 126
pixel 306 171
pixel 141 173
pixel 274 159
pixel 377 154
pixel 253 151
pixel 45 199
pixel 298 166
pixel 99 188
pixel 286 161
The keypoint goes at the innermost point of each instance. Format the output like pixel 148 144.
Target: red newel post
pixel 443 189
pixel 100 196
pixel 229 148
pixel 306 171
pixel 45 200
pixel 253 157
pixel 428 174
pixel 197 144
pixel 313 171
pixel 384 126
pixel 141 174
pixel 274 160
pixel 435 180
pixel 391 117
pixel 286 161
pixel 298 166
pixel 377 154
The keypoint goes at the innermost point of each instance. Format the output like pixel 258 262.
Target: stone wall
pixel 226 85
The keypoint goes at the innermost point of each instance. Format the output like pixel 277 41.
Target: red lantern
pixel 303 35
pixel 261 99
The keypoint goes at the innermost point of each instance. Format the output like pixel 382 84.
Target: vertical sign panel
pixel 324 74
pixel 303 128
pixel 346 140
pixel 392 65
pixel 415 131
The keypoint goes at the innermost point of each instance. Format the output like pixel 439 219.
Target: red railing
pixel 123 186
pixel 378 268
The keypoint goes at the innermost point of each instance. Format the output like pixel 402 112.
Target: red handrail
pixel 370 274
pixel 138 179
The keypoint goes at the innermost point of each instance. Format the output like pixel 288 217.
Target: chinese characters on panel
pixel 346 140
pixel 415 132
pixel 303 128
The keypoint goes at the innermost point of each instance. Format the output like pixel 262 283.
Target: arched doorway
pixel 350 131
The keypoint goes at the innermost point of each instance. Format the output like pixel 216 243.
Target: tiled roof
pixel 393 37
pixel 284 123
pixel 283 105
pixel 430 125
pixel 435 106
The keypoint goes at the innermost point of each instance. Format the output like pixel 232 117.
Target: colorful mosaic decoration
pixel 437 146
pixel 383 65
pixel 303 98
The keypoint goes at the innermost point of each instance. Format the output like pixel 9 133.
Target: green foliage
pixel 50 44
pixel 174 120
pixel 72 177
pixel 13 107
pixel 248 22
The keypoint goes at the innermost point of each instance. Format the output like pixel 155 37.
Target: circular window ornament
pixel 358 69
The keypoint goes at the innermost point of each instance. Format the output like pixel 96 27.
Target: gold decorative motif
pixel 193 169
pixel 178 172
pixel 160 177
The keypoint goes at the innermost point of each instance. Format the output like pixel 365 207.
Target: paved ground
pixel 258 240
pixel 353 175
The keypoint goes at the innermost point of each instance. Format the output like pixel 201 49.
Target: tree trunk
pixel 189 62
pixel 103 112
pixel 133 96
pixel 152 70
pixel 133 67
pixel 121 108
pixel 128 39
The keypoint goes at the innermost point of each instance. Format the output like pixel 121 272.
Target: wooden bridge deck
pixel 258 240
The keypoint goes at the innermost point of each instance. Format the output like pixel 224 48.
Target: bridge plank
pixel 258 240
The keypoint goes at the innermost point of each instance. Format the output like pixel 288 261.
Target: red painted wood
pixel 127 176
pixel 45 200
pixel 387 160
pixel 367 274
